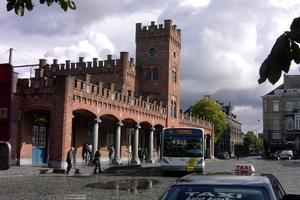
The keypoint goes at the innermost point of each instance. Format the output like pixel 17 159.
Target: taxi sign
pixel 244 168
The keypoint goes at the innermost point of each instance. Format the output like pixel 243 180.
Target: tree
pixel 254 142
pixel 20 5
pixel 283 52
pixel 210 109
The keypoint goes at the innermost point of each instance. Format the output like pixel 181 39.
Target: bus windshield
pixel 183 146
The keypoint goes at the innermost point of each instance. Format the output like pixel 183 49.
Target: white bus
pixel 182 150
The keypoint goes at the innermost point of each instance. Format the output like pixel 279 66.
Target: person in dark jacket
pixel 69 160
pixel 97 158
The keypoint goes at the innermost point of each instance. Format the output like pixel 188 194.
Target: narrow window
pixel 148 74
pixel 174 80
pixel 297 122
pixel 289 106
pixel 275 106
pixel 289 123
pixel 155 74
pixel 275 123
pixel 265 106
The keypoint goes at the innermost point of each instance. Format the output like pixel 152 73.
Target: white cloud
pixel 223 42
pixel 92 47
pixel 195 3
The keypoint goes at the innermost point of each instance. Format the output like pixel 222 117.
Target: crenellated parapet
pixel 98 95
pixel 84 92
pixel 168 31
pixel 109 66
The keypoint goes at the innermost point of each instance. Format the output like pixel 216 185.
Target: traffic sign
pixel 6 83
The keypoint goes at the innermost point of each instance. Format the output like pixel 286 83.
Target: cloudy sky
pixel 224 42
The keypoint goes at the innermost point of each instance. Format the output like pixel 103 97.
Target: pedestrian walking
pixel 69 160
pixel 140 154
pixel 143 153
pixel 238 155
pixel 87 153
pixel 89 149
pixel 97 158
pixel 111 153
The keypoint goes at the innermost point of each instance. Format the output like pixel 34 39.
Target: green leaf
pixel 49 2
pixel 264 71
pixel 72 5
pixel 19 9
pixel 10 5
pixel 64 5
pixel 42 1
pixel 281 46
pixel 295 52
pixel 284 63
pixel 274 75
pixel 294 36
pixel 29 5
pixel 295 26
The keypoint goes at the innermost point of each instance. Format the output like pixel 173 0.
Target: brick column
pixel 135 157
pixel 117 159
pixel 150 158
pixel 95 137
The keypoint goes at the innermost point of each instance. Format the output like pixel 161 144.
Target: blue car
pixel 244 184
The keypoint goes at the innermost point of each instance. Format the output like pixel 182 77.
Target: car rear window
pixel 195 192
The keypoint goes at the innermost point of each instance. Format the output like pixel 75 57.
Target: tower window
pixel 155 74
pixel 173 110
pixel 148 74
pixel 151 74
pixel 152 52
pixel 174 80
pixel 174 54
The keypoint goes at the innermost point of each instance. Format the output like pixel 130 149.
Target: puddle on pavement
pixel 130 185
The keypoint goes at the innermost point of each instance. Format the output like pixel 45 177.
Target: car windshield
pixel 183 147
pixel 277 152
pixel 189 192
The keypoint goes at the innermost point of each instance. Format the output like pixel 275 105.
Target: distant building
pixel 281 116
pixel 232 139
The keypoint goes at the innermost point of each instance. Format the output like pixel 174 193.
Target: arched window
pixel 174 79
pixel 155 74
pixel 148 74
pixel 151 74
pixel 173 109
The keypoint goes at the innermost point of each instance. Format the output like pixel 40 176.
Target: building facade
pixel 281 116
pixel 232 139
pixel 121 102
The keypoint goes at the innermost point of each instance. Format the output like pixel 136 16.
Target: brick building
pixel 232 138
pixel 121 101
pixel 281 116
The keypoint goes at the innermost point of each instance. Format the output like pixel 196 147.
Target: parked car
pixel 223 155
pixel 242 185
pixel 281 155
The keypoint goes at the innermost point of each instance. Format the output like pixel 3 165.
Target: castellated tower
pixel 158 62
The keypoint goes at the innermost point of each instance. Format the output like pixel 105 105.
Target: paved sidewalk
pixel 78 169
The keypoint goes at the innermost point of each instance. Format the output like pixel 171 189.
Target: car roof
pixel 256 180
